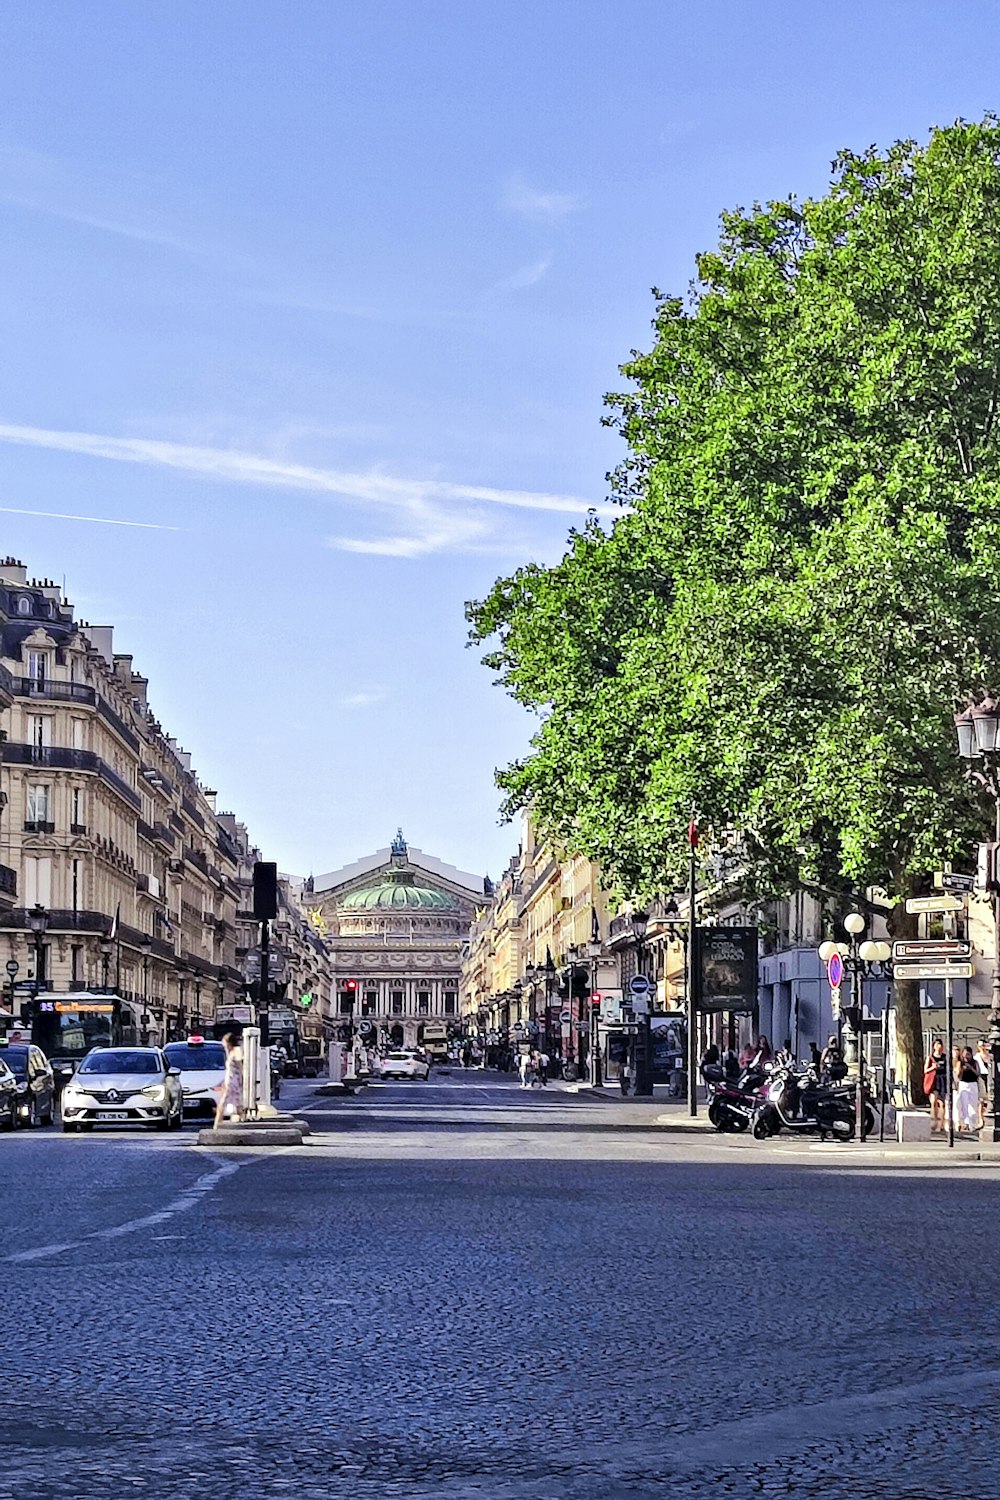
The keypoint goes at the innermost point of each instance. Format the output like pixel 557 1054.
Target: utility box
pixel 912 1125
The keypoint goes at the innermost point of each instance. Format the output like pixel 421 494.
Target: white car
pixel 203 1070
pixel 123 1086
pixel 403 1065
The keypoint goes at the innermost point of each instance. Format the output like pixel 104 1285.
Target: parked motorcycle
pixel 797 1101
pixel 732 1103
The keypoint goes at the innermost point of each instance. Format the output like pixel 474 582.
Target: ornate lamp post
pixel 643 1053
pixel 38 921
pixel 550 984
pixel 978 731
pixel 862 961
pixel 146 948
pixel 107 947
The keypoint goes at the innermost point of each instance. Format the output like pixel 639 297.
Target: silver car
pixel 123 1086
pixel 202 1067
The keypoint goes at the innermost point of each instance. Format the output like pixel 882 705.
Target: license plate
pixel 113 1114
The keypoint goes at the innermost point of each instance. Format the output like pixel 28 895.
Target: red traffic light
pixel 350 984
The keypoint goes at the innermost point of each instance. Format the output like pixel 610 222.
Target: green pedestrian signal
pixel 305 1001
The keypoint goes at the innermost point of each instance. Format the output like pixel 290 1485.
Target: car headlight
pixel 156 1091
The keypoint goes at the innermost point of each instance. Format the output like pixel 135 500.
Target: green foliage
pixel 803 580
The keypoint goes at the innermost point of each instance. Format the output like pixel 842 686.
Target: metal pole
pixel 995 1002
pixel 885 1060
pixel 596 1072
pixel 692 987
pixel 262 1007
pixel 949 996
pixel 859 997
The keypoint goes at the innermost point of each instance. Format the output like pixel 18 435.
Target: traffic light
pixel 305 1000
pixel 351 986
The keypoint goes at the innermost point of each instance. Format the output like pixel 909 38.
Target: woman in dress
pixel 231 1092
pixel 937 1064
pixel 984 1064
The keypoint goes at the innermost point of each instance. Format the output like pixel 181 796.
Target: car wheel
pixel 85 1125
pixel 70 1129
pixel 47 1117
pixel 179 1118
pixel 163 1124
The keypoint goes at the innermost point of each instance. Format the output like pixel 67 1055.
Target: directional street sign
pixel 950 880
pixel 934 971
pixel 943 902
pixel 932 948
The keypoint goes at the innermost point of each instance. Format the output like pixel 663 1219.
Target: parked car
pixel 404 1065
pixel 8 1098
pixel 36 1087
pixel 202 1067
pixel 124 1086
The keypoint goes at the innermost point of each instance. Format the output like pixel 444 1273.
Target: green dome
pixel 397 891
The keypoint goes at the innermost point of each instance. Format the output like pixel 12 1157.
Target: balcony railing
pixel 8 881
pixel 78 828
pixel 192 812
pixel 38 825
pixel 112 717
pixel 195 857
pixel 49 687
pixel 59 758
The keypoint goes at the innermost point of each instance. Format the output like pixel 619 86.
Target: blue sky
pixel 331 292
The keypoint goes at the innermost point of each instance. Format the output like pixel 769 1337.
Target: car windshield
pixel 16 1059
pixel 209 1057
pixel 120 1062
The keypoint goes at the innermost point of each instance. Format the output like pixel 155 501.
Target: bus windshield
pixel 63 1029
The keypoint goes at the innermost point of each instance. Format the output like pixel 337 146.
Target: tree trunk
pixel 909 1025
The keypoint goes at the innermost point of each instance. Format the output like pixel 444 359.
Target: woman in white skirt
pixel 967 1092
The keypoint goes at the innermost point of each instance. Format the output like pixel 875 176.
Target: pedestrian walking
pixel 524 1068
pixel 543 1067
pixel 231 1089
pixel 984 1067
pixel 967 1092
pixel 936 1085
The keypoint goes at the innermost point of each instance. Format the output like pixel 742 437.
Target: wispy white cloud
pixel 546 207
pixel 59 515
pixel 364 699
pixel 429 515
pixel 145 235
pixel 529 275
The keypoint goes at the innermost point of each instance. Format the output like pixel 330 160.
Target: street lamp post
pixel 596 1067
pixel 550 980
pixel 38 921
pixel 146 948
pixel 107 947
pixel 643 1070
pixel 573 952
pixel 867 960
pixel 978 731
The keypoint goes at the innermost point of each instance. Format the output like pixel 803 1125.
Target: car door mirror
pixel 173 1072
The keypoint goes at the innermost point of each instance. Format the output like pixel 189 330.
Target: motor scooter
pixel 732 1103
pixel 796 1101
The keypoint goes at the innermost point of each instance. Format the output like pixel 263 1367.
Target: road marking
pixel 191 1196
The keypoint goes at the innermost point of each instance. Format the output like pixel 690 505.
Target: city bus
pixel 66 1026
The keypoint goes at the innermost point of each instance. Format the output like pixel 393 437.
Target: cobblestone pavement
pixel 493 1311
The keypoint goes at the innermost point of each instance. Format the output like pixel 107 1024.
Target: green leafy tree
pixel 803 580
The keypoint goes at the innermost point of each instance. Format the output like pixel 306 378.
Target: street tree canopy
pixel 804 579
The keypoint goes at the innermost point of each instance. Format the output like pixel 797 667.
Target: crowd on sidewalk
pixel 969 1079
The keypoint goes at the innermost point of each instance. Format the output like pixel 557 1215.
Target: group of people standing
pixel 533 1067
pixel 969 1079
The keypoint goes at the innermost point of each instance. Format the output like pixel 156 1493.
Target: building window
pixel 37 880
pixel 38 665
pixel 75 972
pixel 370 1002
pixel 423 1003
pixel 24 605
pixel 450 1003
pixel 79 734
pixel 41 731
pixel 79 817
pixel 397 1002
pixel 38 804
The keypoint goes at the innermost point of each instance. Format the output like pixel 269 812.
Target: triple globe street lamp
pixel 861 960
pixel 978 729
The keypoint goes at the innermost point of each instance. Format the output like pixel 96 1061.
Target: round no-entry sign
pixel 835 970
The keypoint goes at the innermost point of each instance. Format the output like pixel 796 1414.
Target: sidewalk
pixel 671 1115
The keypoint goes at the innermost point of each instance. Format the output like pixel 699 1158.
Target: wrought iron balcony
pixel 8 881
pixel 60 758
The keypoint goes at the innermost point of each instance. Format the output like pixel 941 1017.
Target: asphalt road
pixel 458 1289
